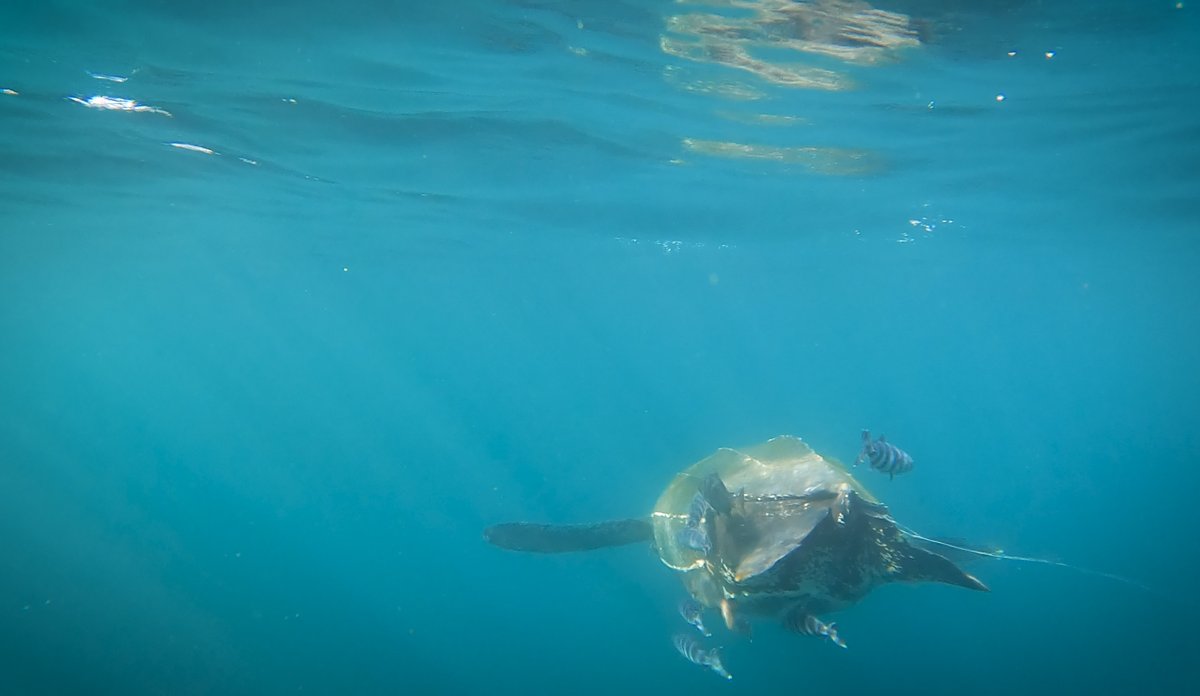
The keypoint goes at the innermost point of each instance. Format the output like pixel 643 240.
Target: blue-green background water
pixel 442 265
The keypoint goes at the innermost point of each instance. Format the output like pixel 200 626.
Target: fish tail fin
pixel 834 637
pixel 715 663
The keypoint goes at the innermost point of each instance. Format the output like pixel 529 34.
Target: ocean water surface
pixel 297 298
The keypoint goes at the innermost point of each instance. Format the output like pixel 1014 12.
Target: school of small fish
pixel 694 535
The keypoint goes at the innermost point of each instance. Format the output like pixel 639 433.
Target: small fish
pixel 691 649
pixel 695 538
pixel 693 613
pixel 697 510
pixel 810 625
pixel 694 535
pixel 884 456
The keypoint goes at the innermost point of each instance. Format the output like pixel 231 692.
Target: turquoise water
pixel 345 283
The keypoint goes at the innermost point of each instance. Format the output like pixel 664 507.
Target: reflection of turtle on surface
pixel 771 530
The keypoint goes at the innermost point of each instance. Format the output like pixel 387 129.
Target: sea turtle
pixel 770 530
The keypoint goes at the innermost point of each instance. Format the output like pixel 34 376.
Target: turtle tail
pixel 561 538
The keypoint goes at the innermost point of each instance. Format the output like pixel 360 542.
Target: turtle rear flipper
pixel 562 538
pixel 922 565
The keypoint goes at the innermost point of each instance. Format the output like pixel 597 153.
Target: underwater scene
pixel 599 347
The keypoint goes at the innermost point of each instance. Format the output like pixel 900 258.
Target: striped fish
pixel 694 535
pixel 691 649
pixel 695 538
pixel 884 456
pixel 809 625
pixel 698 510
pixel 693 613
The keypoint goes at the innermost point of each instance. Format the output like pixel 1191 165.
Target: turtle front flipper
pixel 919 565
pixel 562 538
